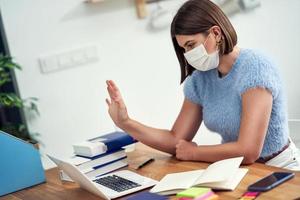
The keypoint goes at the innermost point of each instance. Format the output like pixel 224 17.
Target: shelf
pixel 139 4
pixel 141 8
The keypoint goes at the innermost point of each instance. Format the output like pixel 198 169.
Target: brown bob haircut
pixel 198 16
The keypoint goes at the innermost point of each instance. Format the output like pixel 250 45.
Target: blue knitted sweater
pixel 221 100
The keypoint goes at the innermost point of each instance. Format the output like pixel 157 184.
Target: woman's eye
pixel 190 46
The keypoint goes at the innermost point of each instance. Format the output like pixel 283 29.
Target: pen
pixel 145 163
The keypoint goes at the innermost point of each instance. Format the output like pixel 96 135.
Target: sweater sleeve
pixel 260 73
pixel 192 88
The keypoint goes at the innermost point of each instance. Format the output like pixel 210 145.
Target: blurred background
pixel 68 48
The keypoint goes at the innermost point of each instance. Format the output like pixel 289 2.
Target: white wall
pixel 143 63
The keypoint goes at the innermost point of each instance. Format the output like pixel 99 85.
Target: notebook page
pixel 220 171
pixel 182 180
pixel 229 184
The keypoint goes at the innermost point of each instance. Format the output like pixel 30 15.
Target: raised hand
pixel 116 106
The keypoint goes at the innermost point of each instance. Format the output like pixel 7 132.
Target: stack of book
pixel 101 155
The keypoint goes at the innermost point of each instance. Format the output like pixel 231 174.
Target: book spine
pixel 98 170
pixel 108 163
pixel 117 144
pixel 107 168
pixel 103 160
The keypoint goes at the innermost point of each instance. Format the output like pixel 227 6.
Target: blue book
pixel 108 143
pixel 107 168
pixel 85 162
pixel 99 170
pixel 20 166
pixel 147 196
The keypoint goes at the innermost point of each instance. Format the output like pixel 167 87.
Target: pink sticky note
pixel 185 198
pixel 251 194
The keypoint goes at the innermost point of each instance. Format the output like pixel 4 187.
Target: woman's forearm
pixel 213 153
pixel 160 139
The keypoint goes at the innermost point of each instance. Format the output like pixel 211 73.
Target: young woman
pixel 235 92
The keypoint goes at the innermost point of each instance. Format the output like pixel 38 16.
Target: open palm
pixel 116 106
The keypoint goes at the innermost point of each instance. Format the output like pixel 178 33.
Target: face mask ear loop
pixel 217 43
pixel 206 39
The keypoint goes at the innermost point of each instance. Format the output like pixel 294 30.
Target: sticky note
pixel 249 196
pixel 208 196
pixel 193 192
pixel 213 197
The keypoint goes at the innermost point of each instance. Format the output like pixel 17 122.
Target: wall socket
pixel 68 59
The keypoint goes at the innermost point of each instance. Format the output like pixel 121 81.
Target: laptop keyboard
pixel 116 183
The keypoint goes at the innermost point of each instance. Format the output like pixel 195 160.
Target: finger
pixel 108 102
pixel 114 86
pixel 111 93
pixel 114 92
pixel 178 156
pixel 115 95
pixel 111 85
pixel 180 142
pixel 115 89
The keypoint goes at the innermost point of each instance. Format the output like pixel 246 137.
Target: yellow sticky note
pixel 193 192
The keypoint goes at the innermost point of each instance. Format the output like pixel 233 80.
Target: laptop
pixel 108 186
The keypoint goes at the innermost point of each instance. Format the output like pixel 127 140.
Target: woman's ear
pixel 216 30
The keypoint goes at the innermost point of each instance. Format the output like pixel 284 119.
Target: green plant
pixel 11 100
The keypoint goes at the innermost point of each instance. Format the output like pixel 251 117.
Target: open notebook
pixel 224 175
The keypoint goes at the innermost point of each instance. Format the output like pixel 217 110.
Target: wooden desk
pixel 163 164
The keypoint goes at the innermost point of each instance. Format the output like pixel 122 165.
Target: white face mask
pixel 201 60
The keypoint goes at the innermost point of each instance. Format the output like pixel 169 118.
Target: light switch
pixel 64 61
pixel 68 59
pixel 48 64
pixel 78 57
pixel 91 53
